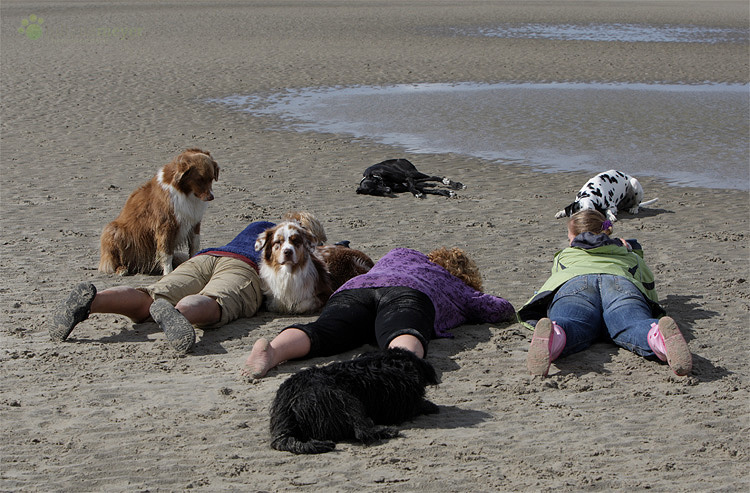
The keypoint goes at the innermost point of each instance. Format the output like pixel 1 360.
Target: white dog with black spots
pixel 608 192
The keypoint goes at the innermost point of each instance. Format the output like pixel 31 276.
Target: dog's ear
pixel 310 240
pixel 366 185
pixel 216 171
pixel 261 241
pixel 182 164
pixel 183 174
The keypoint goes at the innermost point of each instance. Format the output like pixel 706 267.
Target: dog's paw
pixel 633 210
pixel 560 214
pixel 455 185
pixel 370 435
pixel 611 216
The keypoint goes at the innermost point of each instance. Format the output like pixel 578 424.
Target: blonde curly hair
pixel 308 221
pixel 458 263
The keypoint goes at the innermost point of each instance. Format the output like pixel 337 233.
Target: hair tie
pixel 606 225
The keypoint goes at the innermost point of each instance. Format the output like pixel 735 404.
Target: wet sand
pixel 694 135
pixel 108 94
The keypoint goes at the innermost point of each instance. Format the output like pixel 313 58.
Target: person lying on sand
pixel 405 300
pixel 214 287
pixel 600 288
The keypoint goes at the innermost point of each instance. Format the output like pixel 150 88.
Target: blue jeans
pixel 602 306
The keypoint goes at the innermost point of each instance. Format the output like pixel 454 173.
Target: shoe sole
pixel 678 354
pixel 537 361
pixel 73 311
pixel 180 333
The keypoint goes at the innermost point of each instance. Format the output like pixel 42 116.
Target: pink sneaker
pixel 547 343
pixel 667 343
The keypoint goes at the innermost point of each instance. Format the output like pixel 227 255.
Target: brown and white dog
pixel 160 216
pixel 295 279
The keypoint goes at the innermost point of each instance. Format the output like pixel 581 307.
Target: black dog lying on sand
pixel 398 175
pixel 346 400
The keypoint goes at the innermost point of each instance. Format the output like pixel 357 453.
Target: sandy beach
pixel 97 96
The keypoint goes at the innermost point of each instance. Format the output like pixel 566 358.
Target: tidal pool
pixel 688 135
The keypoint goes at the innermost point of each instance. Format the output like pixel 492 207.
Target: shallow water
pixel 633 33
pixel 688 135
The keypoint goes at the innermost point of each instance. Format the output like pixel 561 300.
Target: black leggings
pixel 376 316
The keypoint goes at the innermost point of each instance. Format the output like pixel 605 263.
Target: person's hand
pixel 626 244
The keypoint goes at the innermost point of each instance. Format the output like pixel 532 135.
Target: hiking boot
pixel 74 310
pixel 180 333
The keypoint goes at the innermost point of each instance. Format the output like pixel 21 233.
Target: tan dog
pixel 160 216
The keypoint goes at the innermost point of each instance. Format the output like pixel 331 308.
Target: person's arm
pixel 483 307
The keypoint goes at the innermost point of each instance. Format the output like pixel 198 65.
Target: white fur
pixel 290 278
pixel 188 211
pixel 288 291
pixel 635 185
pixel 626 187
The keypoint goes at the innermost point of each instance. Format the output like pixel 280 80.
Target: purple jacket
pixel 455 302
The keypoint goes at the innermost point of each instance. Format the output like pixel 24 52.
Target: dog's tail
pixel 109 260
pixel 649 202
pixel 292 444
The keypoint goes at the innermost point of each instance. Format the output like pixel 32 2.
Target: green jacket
pixel 592 254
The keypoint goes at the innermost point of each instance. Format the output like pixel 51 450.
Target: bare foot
pixel 259 361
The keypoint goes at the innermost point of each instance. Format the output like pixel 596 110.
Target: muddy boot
pixel 179 331
pixel 72 311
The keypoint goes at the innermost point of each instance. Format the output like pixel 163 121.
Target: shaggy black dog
pixel 399 175
pixel 346 400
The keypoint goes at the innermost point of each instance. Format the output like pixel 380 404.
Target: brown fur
pixel 154 223
pixel 344 263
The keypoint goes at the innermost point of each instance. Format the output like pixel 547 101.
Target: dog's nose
pixel 209 197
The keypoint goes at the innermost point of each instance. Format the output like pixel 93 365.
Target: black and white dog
pixel 350 400
pixel 608 193
pixel 399 175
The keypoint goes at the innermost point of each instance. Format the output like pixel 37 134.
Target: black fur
pixel 350 400
pixel 399 175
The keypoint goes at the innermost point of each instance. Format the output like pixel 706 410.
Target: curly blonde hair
pixel 455 261
pixel 308 221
